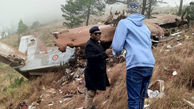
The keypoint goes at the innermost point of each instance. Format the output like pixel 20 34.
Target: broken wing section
pixel 11 56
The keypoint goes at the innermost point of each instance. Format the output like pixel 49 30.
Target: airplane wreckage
pixel 34 58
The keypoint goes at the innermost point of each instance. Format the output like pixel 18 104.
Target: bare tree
pixel 143 7
pixel 180 7
pixel 149 8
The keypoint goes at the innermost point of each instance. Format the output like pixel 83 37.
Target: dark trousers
pixel 138 79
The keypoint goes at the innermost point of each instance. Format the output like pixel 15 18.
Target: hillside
pixel 65 89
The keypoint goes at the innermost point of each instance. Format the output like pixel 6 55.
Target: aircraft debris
pixel 189 103
pixel 77 37
pixel 175 34
pixel 158 87
pixel 33 57
pixel 11 56
pixel 22 105
pixel 174 73
pixel 51 103
pixel 155 90
pixel 169 46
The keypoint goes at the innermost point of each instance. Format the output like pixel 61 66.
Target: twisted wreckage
pixel 34 58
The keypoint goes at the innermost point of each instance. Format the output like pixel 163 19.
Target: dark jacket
pixel 95 71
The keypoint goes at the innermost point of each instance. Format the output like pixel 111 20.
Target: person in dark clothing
pixel 189 15
pixel 95 71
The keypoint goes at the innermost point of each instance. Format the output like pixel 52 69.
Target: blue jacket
pixel 134 36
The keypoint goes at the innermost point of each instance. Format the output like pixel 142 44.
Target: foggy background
pixel 11 11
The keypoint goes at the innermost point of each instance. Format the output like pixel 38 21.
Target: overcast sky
pixel 11 11
pixel 176 3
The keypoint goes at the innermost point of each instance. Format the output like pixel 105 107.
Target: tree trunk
pixel 88 16
pixel 149 9
pixel 144 7
pixel 180 7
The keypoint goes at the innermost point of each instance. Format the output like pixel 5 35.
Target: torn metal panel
pixel 11 56
pixel 162 19
pixel 79 36
pixel 155 29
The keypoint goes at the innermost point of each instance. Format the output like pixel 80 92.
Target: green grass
pixel 7 76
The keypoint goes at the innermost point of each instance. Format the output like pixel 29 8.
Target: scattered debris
pixel 53 91
pixel 51 103
pixel 174 73
pixel 168 46
pixel 80 108
pixel 66 99
pixel 33 105
pixel 155 90
pixel 158 88
pixel 104 102
pixel 60 101
pixel 152 94
pixel 22 105
pixel 175 34
pixel 179 44
pixel 60 91
pixel 187 37
pixel 189 103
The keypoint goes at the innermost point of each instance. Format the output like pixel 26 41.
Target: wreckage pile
pixel 160 25
pixel 171 82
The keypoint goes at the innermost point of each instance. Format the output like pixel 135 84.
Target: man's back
pixel 135 37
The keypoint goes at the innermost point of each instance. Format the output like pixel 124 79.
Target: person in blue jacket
pixel 134 36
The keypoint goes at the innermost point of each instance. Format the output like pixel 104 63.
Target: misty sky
pixel 11 11
pixel 176 3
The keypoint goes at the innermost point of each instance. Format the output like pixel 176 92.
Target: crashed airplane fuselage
pixel 78 36
pixel 33 57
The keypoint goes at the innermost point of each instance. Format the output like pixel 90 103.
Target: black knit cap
pixel 93 29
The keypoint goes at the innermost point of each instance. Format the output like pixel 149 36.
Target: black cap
pixel 191 3
pixel 93 29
